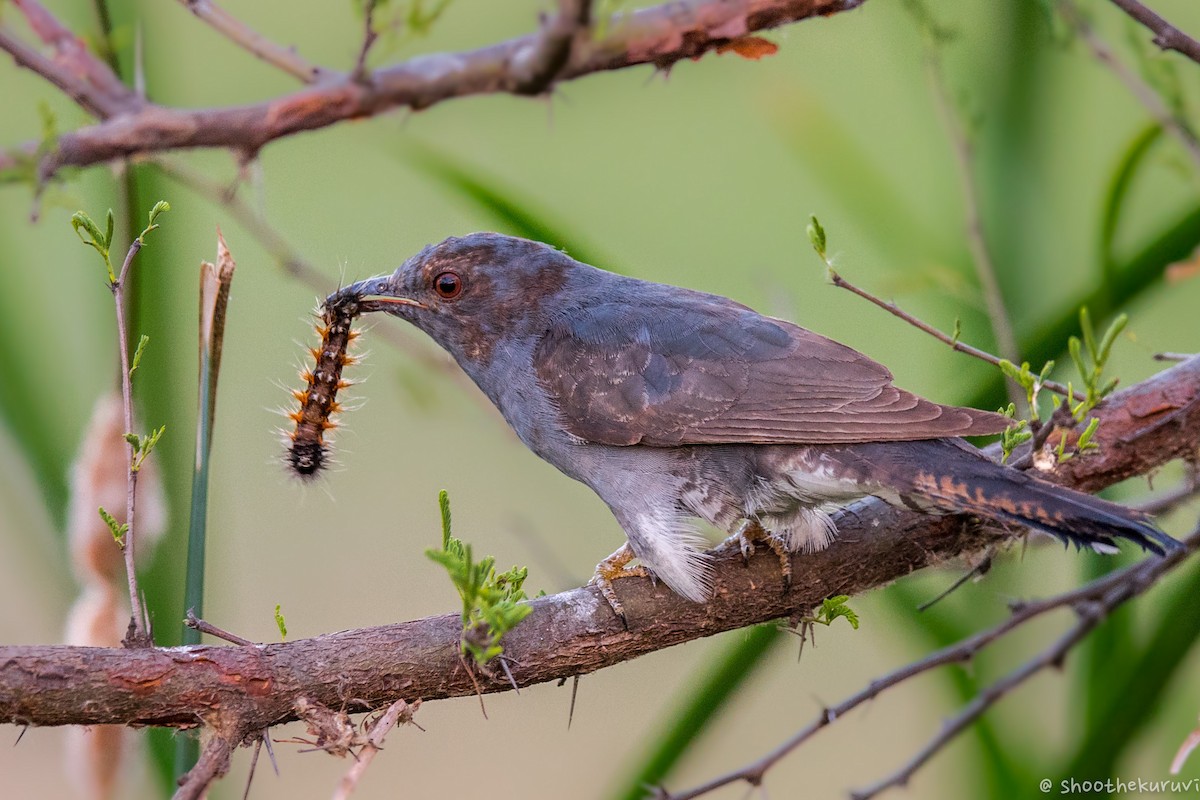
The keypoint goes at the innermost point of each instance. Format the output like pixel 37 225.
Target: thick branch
pixel 660 36
pixel 567 634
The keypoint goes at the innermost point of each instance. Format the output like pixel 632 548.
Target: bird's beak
pixel 381 285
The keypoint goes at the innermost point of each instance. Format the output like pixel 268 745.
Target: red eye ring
pixel 448 285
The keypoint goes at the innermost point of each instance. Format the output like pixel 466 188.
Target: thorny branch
pixel 398 712
pixel 1091 604
pixel 659 36
pixel 250 688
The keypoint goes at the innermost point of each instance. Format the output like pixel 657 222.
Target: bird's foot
pixel 751 533
pixel 617 566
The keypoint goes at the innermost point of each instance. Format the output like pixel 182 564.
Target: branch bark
pixel 660 36
pixel 1166 35
pixel 567 634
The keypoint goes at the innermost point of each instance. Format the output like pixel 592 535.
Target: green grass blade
pixel 1119 185
pixel 500 203
pixel 704 697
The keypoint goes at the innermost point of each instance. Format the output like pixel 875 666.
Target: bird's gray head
pixel 473 292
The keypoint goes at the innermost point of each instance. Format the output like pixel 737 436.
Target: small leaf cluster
pixel 1090 358
pixel 1028 380
pixel 1013 436
pixel 142 445
pixel 118 529
pixel 101 241
pixel 833 607
pixel 280 622
pixel 492 602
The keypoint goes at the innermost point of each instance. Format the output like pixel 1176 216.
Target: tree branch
pixel 660 36
pixel 1091 602
pixel 88 97
pixel 536 67
pixel 72 54
pixel 253 42
pixel 567 634
pixel 1166 35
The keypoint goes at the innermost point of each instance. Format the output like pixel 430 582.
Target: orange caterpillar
pixel 308 451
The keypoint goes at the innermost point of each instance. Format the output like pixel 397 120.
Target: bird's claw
pixel 617 566
pixel 751 534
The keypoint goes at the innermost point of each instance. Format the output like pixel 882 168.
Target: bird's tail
pixel 952 476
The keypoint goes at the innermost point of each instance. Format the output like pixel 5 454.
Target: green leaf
pixel 108 233
pixel 444 507
pixel 280 622
pixel 118 529
pixel 1085 438
pixel 835 607
pixel 1013 437
pixel 816 235
pixel 1089 335
pixel 1110 337
pixel 96 240
pixel 137 354
pixel 159 207
pixel 492 603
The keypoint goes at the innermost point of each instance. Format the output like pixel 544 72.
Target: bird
pixel 675 405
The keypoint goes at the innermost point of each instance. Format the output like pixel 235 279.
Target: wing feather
pixel 700 369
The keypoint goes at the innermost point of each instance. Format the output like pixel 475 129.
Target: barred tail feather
pixel 960 479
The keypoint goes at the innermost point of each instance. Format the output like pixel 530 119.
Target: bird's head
pixel 473 294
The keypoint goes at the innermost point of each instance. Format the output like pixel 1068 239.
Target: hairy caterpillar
pixel 309 452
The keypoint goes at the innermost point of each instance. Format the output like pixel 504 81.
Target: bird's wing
pixel 700 369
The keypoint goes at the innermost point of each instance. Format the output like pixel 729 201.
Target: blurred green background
pixel 703 177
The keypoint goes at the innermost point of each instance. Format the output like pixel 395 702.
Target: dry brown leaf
pixel 751 47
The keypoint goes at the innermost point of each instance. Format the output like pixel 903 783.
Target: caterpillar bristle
pixel 308 451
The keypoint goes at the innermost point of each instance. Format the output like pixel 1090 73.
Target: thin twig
pixel 138 634
pixel 370 35
pixel 954 343
pixel 397 712
pixel 536 67
pixel 212 764
pixel 1105 593
pixel 1141 91
pixel 1166 35
pixel 85 95
pixel 194 622
pixel 250 40
pixel 72 53
pixel 981 257
pixel 1090 612
pixel 980 568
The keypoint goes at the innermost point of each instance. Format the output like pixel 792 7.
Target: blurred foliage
pixel 1085 203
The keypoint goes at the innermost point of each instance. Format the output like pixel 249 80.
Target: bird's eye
pixel 448 285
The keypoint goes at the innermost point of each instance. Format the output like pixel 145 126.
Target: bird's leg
pixel 751 533
pixel 613 567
